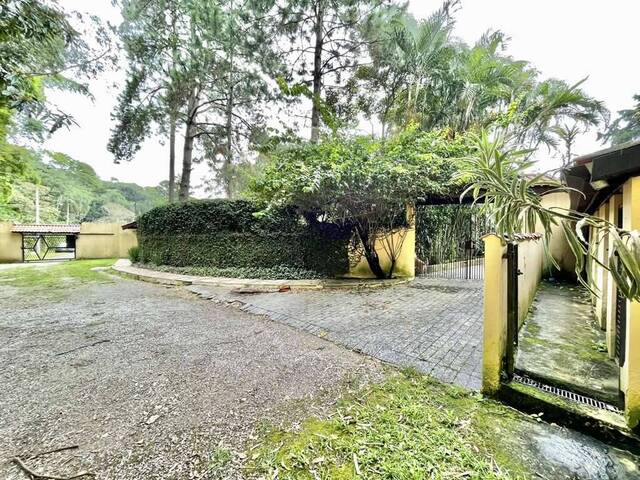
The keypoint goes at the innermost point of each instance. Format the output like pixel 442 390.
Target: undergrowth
pixel 281 272
pixel 408 428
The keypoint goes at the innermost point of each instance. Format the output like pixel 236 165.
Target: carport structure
pixel 41 242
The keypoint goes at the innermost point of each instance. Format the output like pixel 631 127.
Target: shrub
pixel 134 254
pixel 280 272
pixel 224 234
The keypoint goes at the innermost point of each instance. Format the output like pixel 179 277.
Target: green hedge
pixel 227 234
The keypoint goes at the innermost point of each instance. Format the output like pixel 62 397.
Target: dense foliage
pixel 225 234
pixel 626 127
pixel 42 47
pixel 65 183
pixel 365 184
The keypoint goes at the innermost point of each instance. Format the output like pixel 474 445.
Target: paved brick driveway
pixel 434 325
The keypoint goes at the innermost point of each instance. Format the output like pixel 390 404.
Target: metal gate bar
pixel 449 242
pixel 44 247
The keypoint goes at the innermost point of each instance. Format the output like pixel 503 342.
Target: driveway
pixel 434 325
pixel 154 383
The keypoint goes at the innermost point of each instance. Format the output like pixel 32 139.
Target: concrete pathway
pixel 430 324
pixel 560 342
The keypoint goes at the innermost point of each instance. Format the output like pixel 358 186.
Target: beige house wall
pixel 104 240
pixel 531 259
pixel 10 244
pixel 600 276
pixel 558 246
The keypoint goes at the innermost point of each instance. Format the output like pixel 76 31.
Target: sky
pixel 565 39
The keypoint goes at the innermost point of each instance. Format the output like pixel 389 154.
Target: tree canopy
pixel 626 127
pixel 364 183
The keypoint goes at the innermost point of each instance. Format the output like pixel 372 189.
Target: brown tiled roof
pixel 130 226
pixel 46 228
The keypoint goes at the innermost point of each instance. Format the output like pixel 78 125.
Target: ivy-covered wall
pixel 225 233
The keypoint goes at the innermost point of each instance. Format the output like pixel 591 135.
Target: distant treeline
pixel 68 185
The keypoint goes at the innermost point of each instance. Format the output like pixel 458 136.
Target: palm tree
pixel 499 184
pixel 549 104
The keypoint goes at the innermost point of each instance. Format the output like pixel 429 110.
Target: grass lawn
pixel 62 274
pixel 409 427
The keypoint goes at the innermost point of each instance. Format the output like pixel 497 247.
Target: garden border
pixel 125 268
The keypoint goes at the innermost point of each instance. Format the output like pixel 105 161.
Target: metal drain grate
pixel 574 397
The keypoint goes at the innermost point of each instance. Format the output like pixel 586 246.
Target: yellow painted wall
pixel 494 330
pixel 104 240
pixel 530 262
pixel 558 245
pixel 405 263
pixel 630 372
pixel 600 275
pixel 10 244
pixel 531 259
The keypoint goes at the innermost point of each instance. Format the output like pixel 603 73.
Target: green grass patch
pixel 58 275
pixel 409 427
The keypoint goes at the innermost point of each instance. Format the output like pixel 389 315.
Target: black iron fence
pixel 449 241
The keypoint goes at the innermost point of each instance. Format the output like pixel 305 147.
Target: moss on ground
pixel 409 427
pixel 55 278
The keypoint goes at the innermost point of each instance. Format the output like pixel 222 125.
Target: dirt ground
pixel 150 382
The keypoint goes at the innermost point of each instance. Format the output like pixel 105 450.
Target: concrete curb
pixel 125 268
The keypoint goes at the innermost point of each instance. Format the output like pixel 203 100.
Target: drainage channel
pixel 566 394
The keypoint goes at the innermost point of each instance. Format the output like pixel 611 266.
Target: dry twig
pixel 45 476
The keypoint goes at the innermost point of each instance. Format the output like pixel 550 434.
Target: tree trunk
pixel 226 167
pixel 370 252
pixel 172 158
pixel 317 73
pixel 187 154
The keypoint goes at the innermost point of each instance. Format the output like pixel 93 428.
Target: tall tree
pixel 420 73
pixel 567 133
pixel 404 54
pixel 154 91
pixel 626 127
pixel 41 46
pixel 198 66
pixel 325 45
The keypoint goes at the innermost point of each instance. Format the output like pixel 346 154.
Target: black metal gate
pixel 621 328
pixel 38 247
pixel 449 241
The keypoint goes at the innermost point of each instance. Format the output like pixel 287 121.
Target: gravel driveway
pixel 152 382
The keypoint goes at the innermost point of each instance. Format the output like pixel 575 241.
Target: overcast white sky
pixel 566 39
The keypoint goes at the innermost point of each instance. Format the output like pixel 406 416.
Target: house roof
pixel 599 174
pixel 130 226
pixel 46 228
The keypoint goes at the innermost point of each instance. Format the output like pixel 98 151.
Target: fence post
pixel 630 374
pixel 512 308
pixel 495 321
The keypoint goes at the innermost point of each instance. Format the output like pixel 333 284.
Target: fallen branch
pixel 83 346
pixel 46 476
pixel 55 450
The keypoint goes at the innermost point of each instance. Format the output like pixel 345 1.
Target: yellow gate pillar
pixel 495 313
pixel 630 375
